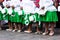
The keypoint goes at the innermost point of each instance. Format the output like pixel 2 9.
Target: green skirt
pixel 51 16
pixel 21 17
pixel 12 18
pixel 15 18
pixel 1 16
pixel 25 19
pixel 5 17
pixel 36 18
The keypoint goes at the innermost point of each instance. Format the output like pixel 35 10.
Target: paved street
pixel 4 35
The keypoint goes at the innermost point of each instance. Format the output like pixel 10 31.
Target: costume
pixel 6 9
pixel 18 11
pixel 28 7
pixel 1 7
pixel 50 15
pixel 1 15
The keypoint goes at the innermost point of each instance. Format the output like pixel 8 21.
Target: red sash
pixel 37 3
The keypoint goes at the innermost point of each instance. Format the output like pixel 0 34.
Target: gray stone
pixel 4 35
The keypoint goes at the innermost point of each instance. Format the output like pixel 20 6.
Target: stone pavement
pixel 4 35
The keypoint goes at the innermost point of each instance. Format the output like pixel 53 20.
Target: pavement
pixel 5 35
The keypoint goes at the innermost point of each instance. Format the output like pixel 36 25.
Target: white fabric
pixel 52 8
pixel 27 22
pixel 41 12
pixel 28 6
pixel 16 3
pixel 41 3
pixel 31 18
pixel 3 11
pixel 39 22
pixel 10 11
pixel 12 2
pixel 6 3
pixel 25 17
pixel 0 8
pixel 36 9
pixel 58 8
pixel 18 10
pixel 48 4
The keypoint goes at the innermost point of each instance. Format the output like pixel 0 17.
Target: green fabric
pixel 22 12
pixel 1 16
pixel 51 16
pixel 25 18
pixel 6 15
pixel 21 17
pixel 16 18
pixel 12 18
pixel 37 16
